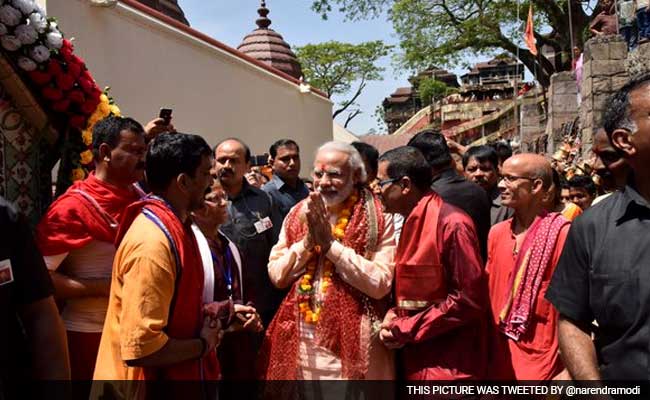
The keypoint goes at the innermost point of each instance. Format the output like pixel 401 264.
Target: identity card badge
pixel 6 273
pixel 263 225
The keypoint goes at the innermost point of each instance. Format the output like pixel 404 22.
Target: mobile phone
pixel 166 114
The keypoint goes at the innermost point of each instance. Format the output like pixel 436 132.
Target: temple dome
pixel 266 45
pixel 169 8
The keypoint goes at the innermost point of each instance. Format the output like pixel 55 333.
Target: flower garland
pixel 306 290
pixel 33 42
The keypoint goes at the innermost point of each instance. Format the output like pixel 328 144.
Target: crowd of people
pixel 629 18
pixel 170 262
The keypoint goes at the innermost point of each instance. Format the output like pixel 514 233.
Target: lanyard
pixel 226 268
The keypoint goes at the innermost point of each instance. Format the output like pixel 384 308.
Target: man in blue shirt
pixel 285 187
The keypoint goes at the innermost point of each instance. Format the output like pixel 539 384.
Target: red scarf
pixel 534 258
pixel 186 310
pixel 74 220
pixel 418 259
pixel 344 306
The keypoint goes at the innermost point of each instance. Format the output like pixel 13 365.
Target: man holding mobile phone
pixel 159 125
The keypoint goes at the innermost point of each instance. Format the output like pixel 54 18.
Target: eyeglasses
pixel 385 182
pixel 513 178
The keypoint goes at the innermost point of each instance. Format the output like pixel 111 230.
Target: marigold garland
pixel 306 289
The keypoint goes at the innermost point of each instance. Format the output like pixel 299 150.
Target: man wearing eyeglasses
pixel 440 286
pixel 522 254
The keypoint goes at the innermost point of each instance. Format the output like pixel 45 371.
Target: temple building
pixel 485 91
pixel 268 46
pixel 151 58
pixel 405 102
pixel 492 80
pixel 168 7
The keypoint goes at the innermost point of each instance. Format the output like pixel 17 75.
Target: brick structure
pixel 562 108
pixel 604 72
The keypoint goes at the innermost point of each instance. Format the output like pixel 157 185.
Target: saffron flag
pixel 529 36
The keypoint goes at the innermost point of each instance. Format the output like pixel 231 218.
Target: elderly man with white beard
pixel 336 252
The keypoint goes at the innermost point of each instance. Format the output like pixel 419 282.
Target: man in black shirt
pixel 254 225
pixel 452 187
pixel 603 272
pixel 285 187
pixel 32 337
pixel 481 165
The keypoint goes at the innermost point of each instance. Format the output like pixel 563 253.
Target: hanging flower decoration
pixel 309 306
pixel 63 83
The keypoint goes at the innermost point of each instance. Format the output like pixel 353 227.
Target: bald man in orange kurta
pixel 522 254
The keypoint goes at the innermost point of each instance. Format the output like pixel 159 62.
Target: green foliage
pixel 430 90
pixel 337 67
pixel 334 66
pixel 442 32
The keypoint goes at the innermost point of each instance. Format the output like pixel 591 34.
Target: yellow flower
pixel 103 98
pixel 87 137
pixel 86 157
pixel 95 118
pixel 103 108
pixel 314 318
pixel 343 222
pixel 78 174
pixel 339 233
pixel 115 110
pixel 307 277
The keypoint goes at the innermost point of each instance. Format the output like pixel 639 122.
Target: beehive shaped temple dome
pixel 268 46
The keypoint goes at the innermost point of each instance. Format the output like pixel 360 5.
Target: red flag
pixel 529 36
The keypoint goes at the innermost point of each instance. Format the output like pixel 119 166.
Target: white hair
pixel 354 158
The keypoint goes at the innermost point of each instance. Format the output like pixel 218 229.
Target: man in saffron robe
pixel 336 252
pixel 76 236
pixel 440 286
pixel 160 324
pixel 522 254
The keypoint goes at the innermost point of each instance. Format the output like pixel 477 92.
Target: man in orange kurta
pixel 522 254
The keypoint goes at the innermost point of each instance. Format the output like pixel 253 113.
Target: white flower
pixel 54 39
pixel 10 43
pixel 26 34
pixel 38 22
pixel 10 16
pixel 3 29
pixel 26 64
pixel 25 6
pixel 40 10
pixel 39 53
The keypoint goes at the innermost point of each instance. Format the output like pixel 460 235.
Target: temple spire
pixel 263 22
pixel 268 46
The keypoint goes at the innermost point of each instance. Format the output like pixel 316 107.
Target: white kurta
pixel 373 276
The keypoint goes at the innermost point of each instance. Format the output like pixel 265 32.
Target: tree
pixel 336 68
pixel 441 32
pixel 430 90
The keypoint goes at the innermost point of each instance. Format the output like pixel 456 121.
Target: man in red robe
pixel 522 254
pixel 77 233
pixel 440 288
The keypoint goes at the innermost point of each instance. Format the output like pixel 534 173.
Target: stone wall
pixel 607 66
pixel 533 119
pixel 562 107
pixel 638 61
pixel 604 72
